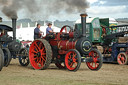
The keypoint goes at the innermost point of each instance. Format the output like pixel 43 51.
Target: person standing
pixel 49 29
pixel 37 32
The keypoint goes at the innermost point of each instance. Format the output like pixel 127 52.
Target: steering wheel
pixel 66 29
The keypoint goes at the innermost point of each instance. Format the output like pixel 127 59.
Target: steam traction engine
pixel 10 48
pixel 65 50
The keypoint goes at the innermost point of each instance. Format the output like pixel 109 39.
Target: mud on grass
pixel 109 74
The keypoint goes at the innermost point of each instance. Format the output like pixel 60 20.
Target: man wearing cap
pixel 49 29
pixel 37 32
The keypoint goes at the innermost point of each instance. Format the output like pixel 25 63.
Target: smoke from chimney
pixel 72 5
pixel 42 7
pixel 11 7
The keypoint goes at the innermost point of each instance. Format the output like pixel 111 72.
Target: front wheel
pixel 23 57
pixel 95 60
pixel 73 60
pixel 122 58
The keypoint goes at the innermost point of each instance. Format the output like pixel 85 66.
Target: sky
pixel 108 8
pixel 97 8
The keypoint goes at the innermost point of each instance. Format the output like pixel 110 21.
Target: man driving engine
pixel 37 32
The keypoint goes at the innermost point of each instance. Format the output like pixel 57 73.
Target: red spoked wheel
pixel 72 60
pixel 95 60
pixel 59 63
pixel 66 29
pixel 122 58
pixel 40 54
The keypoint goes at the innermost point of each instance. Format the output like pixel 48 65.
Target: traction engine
pixel 10 48
pixel 67 49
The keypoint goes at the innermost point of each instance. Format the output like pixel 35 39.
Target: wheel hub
pixel 38 54
pixel 122 58
pixel 71 60
pixel 95 60
pixel 24 57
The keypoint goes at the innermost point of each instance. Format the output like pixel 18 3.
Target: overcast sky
pixel 108 8
pixel 97 8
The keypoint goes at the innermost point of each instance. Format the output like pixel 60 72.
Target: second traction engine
pixel 65 49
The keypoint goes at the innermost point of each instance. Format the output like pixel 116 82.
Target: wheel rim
pixel 23 58
pixel 121 58
pixel 95 63
pixel 71 60
pixel 37 54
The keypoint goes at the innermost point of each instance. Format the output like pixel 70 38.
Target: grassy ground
pixel 109 74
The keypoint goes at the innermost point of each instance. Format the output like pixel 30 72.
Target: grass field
pixel 109 74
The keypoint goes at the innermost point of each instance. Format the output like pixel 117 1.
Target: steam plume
pixel 11 7
pixel 45 7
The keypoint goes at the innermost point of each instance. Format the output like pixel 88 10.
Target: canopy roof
pixel 5 27
pixel 88 20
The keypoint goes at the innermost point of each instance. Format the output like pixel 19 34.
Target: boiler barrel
pixel 66 45
pixel 83 45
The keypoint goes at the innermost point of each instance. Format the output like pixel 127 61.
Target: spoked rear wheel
pixel 73 60
pixel 40 54
pixel 23 57
pixel 122 58
pixel 7 56
pixel 95 60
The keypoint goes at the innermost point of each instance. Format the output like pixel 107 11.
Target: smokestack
pixel 83 23
pixel 14 28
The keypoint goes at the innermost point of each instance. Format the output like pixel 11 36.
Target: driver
pixel 37 32
pixel 49 29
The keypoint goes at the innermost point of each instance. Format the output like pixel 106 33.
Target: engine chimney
pixel 14 28
pixel 83 23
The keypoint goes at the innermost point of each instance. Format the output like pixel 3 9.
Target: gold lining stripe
pixel 67 44
pixel 75 43
pixel 59 44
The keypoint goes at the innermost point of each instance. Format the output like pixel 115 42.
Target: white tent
pixel 27 33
